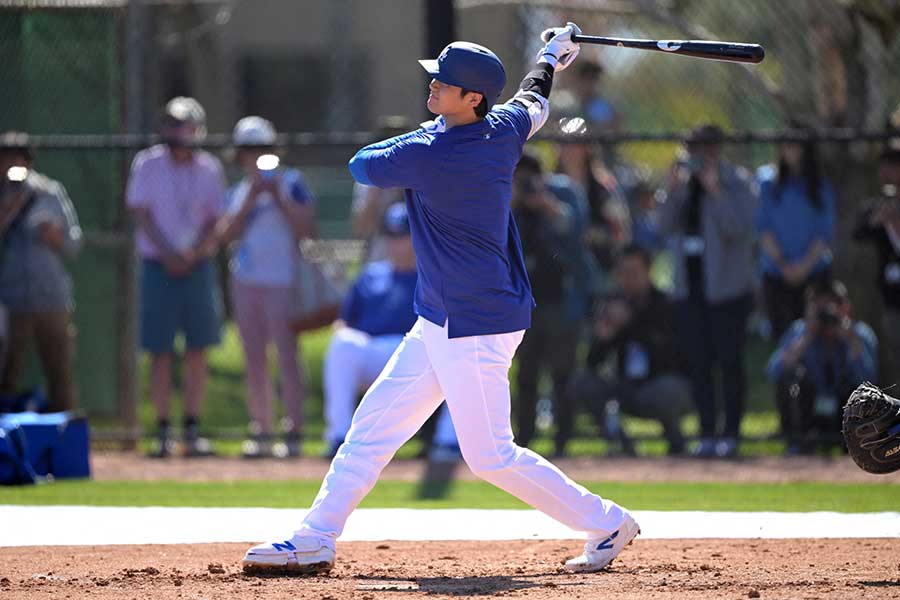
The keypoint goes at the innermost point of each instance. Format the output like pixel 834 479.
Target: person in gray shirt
pixel 709 218
pixel 38 229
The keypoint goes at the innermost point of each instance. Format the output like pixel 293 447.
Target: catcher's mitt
pixel 872 429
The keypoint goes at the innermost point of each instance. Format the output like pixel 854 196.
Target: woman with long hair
pixel 796 227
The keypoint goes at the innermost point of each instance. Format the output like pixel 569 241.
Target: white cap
pixel 188 110
pixel 254 131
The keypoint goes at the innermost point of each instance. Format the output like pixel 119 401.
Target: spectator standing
pixel 269 211
pixel 879 224
pixel 38 230
pixel 708 216
pixel 818 363
pixel 176 194
pixel 377 313
pixel 638 328
pixel 795 224
pixel 551 216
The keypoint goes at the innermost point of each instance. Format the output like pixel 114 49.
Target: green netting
pixel 66 78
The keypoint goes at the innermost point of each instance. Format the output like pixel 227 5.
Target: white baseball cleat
pixel 300 555
pixel 600 552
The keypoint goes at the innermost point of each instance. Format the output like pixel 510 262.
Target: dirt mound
pixel 529 569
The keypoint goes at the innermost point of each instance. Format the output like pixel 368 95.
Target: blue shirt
pixel 847 372
pixel 794 222
pixel 458 187
pixel 381 301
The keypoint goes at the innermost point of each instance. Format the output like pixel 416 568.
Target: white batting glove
pixel 559 50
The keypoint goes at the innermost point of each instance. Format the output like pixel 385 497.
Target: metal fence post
pixel 135 25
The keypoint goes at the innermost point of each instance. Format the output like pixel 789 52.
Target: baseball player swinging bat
pixel 473 301
pixel 730 51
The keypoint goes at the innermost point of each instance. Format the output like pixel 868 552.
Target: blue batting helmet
pixel 471 67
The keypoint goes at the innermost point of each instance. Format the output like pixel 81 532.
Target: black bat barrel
pixel 746 53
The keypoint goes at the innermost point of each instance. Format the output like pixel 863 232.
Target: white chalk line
pixel 99 525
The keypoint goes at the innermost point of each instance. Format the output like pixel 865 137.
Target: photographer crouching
pixel 38 229
pixel 819 361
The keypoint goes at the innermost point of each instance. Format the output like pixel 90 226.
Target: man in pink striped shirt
pixel 176 194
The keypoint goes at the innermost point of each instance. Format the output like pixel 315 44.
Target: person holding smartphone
pixel 269 211
pixel 38 231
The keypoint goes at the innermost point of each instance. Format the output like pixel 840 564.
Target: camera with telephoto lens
pixel 828 317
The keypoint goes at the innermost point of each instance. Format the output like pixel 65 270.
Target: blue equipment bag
pixel 14 466
pixel 56 444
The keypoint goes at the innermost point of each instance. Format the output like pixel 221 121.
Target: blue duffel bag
pixel 56 444
pixel 14 466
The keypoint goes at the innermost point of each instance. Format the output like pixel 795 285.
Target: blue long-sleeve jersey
pixel 458 187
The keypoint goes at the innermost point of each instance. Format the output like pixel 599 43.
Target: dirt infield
pixel 108 466
pixel 528 569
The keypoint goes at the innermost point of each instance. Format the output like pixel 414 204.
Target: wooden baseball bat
pixel 730 51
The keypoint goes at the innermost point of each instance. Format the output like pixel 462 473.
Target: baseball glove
pixel 872 429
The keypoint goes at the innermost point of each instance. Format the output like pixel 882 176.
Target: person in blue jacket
pixel 819 361
pixel 473 301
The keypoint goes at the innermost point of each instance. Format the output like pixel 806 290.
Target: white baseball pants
pixel 353 361
pixel 473 374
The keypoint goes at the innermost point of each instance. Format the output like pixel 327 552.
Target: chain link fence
pixel 87 79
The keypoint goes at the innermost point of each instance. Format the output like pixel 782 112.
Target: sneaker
pixel 292 445
pixel 198 447
pixel 163 447
pixel 194 444
pixel 259 446
pixel 600 552
pixel 300 555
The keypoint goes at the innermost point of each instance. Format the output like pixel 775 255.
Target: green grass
pixel 801 497
pixel 584 446
pixel 225 409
